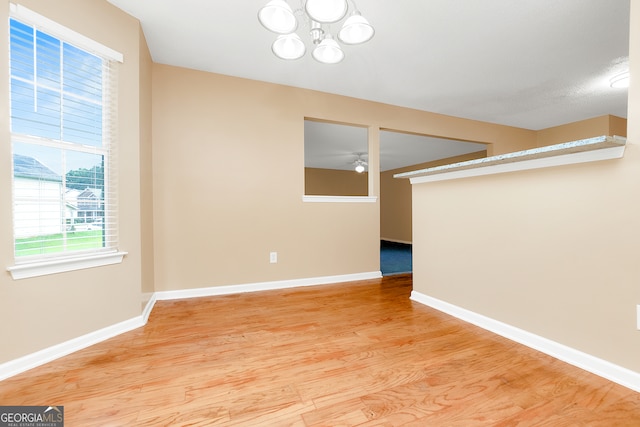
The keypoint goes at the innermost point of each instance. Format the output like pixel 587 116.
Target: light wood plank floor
pixel 348 354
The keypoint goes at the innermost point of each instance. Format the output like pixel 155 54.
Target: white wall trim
pixel 62 265
pixel 33 360
pixel 340 199
pixel 57 351
pixel 566 159
pixel 21 12
pixel 597 366
pixel 264 286
pixel 580 151
pixel 148 308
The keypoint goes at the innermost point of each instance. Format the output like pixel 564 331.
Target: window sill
pixel 34 269
pixel 340 199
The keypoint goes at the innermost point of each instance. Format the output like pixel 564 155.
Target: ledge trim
pixel 581 151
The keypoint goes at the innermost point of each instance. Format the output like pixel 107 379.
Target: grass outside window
pixel 54 243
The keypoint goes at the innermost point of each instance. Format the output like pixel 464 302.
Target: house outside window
pixel 63 106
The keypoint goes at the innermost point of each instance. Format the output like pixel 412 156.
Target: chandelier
pixel 317 16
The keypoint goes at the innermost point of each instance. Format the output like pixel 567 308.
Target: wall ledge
pixel 33 360
pixel 597 366
pixel 581 151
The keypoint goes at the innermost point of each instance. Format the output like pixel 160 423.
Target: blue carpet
pixel 395 258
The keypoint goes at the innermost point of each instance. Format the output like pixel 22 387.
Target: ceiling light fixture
pixel 318 16
pixel 278 17
pixel 620 81
pixel 360 164
pixel 288 46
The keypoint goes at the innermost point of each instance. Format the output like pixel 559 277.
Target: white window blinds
pixel 63 111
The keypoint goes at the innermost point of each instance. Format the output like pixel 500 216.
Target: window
pixel 62 128
pixel 335 162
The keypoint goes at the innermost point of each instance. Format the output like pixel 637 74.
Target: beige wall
pixel 597 126
pixel 551 251
pixel 333 182
pixel 617 126
pixel 229 176
pixel 40 312
pixel 395 198
pixel 228 184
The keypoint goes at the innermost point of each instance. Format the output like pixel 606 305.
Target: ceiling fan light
pixel 289 46
pixel 360 164
pixel 278 17
pixel 326 11
pixel 620 81
pixel 356 30
pixel 328 51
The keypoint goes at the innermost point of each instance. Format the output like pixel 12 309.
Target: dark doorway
pixel 395 258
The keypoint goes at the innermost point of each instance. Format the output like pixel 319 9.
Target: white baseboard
pixel 263 286
pixel 57 351
pixel 148 308
pixel 600 367
pixel 30 361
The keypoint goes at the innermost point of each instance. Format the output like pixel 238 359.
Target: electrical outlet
pixel 273 257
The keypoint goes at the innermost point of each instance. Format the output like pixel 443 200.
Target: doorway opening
pixel 395 258
pixel 404 152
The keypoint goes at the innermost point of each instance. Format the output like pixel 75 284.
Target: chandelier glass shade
pixel 288 46
pixel 278 17
pixel 318 17
pixel 328 51
pixel 356 30
pixel 326 11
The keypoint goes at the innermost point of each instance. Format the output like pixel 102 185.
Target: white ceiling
pixel 527 63
pixel 337 146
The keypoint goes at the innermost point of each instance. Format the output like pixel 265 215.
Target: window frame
pixel 333 198
pixel 37 265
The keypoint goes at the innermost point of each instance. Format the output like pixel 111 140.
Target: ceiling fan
pixel 360 163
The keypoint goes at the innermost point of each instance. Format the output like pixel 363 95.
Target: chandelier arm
pixel 301 15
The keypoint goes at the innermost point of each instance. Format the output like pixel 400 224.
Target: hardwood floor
pixel 357 353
